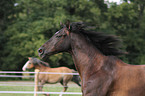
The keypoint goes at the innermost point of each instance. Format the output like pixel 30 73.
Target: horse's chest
pixel 97 84
pixel 93 88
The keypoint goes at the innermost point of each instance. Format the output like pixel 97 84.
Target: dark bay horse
pixel 51 78
pixel 94 55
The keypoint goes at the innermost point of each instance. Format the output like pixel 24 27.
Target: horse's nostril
pixel 40 50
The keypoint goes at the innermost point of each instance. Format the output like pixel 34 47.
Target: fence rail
pixel 39 72
pixel 35 92
pixel 30 92
pixel 16 76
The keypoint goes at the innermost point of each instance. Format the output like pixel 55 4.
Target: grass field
pixel 29 86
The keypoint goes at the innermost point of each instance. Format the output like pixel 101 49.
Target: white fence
pixel 35 76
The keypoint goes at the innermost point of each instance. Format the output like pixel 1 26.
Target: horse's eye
pixel 40 51
pixel 59 36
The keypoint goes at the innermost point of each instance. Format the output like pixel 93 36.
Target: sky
pixel 114 0
pixel 117 1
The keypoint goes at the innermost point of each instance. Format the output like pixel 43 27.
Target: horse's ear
pixel 68 27
pixel 62 25
pixel 68 24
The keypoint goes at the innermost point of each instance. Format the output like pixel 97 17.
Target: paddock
pixel 28 88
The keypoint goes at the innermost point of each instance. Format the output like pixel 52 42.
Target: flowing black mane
pixel 107 44
pixel 36 61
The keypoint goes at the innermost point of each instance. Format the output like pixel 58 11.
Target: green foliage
pixel 32 22
pixel 23 41
pixel 7 16
pixel 125 22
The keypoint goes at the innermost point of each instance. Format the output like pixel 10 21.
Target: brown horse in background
pixel 51 78
pixel 94 55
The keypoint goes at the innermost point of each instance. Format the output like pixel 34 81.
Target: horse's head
pixel 59 42
pixel 29 64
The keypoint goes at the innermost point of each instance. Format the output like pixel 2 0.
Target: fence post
pixel 36 81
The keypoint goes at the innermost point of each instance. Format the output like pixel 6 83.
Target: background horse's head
pixel 32 62
pixel 59 42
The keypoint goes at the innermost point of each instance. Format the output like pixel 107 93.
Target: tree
pixel 35 24
pixel 123 20
pixel 7 16
pixel 30 23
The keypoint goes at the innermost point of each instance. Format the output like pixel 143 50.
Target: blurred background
pixel 27 24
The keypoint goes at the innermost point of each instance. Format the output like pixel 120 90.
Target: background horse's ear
pixel 68 24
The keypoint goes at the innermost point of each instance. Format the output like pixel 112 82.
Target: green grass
pixel 47 88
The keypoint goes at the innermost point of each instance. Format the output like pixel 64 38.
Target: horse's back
pixel 65 70
pixel 54 78
pixel 130 81
pixel 66 77
pixel 59 70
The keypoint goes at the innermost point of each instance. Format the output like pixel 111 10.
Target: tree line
pixel 26 24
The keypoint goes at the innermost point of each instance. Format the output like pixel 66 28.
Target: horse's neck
pixel 84 54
